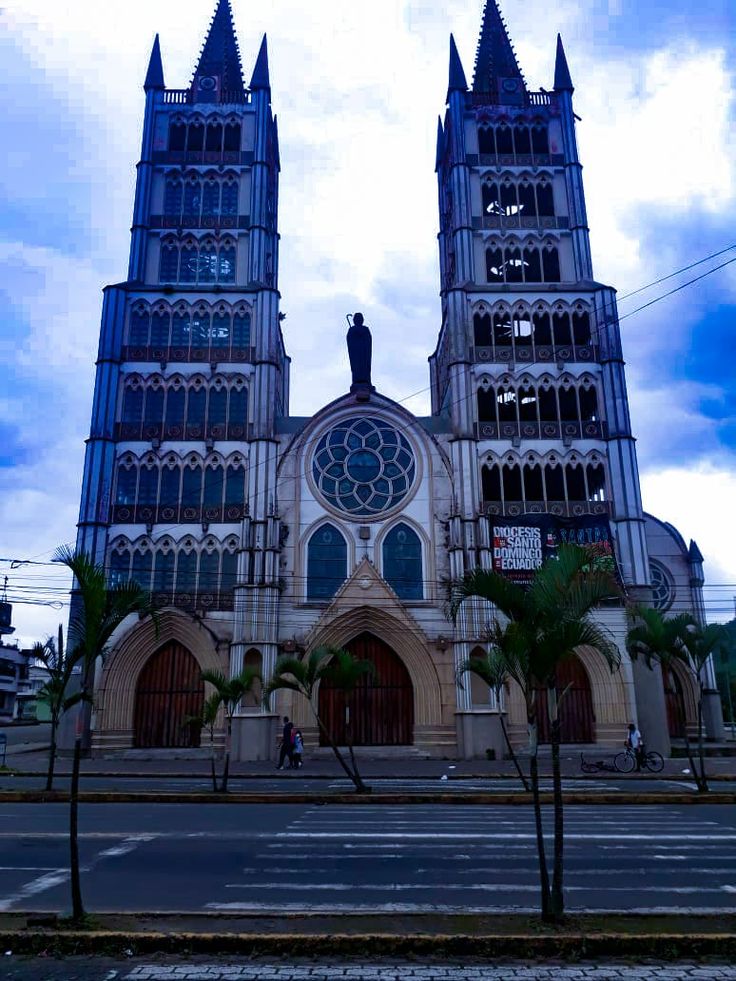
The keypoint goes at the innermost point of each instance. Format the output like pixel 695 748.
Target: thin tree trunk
pixel 543 872
pixel 228 741
pixel 691 759
pixel 77 905
pixel 702 777
pixel 557 904
pixel 512 754
pixel 213 766
pixel 360 787
pixel 52 756
pixel 335 750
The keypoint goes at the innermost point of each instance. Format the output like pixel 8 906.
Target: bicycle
pixel 623 762
pixel 626 761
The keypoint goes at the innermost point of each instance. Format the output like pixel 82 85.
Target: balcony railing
pixel 540 430
pixel 200 355
pixel 515 159
pixel 519 221
pixel 185 97
pixel 215 157
pixel 203 600
pixel 151 514
pixel 529 353
pixel 532 99
pixel 215 222
pixel 562 509
pixel 148 432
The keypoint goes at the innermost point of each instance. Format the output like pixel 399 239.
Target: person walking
pixel 287 743
pixel 296 756
pixel 635 743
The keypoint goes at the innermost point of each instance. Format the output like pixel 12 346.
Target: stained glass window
pixel 364 467
pixel 402 562
pixel 327 563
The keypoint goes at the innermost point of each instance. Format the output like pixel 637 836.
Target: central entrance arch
pixel 170 692
pixel 381 707
pixel 577 721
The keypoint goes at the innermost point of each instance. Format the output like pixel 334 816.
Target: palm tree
pixel 97 612
pixel 228 693
pixel 671 642
pixel 543 626
pixel 207 720
pixel 492 669
pixel 55 693
pixel 303 676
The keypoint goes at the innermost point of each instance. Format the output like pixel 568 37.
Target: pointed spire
pixel 261 78
pixel 155 73
pixel 497 72
pixel 457 81
pixel 220 57
pixel 563 82
pixel 694 553
pixel 440 144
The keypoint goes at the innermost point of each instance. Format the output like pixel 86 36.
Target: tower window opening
pixel 589 405
pixel 486 141
pixel 142 568
pixel 118 568
pixel 491 484
pixel 502 329
pixel 514 265
pixel 527 200
pixel 568 405
pixel 177 137
pixel 548 410
pixel 575 480
pixel 512 484
pixel 527 405
pixel 504 141
pixel 554 482
pixel 509 200
pixel 491 199
pixel 163 574
pixel 542 329
pixel 540 140
pixel 160 329
pixel 532 266
pixel 506 401
pixel 596 477
pixel 533 483
pixel 195 138
pixel 482 329
pixel 232 137
pixel 487 406
pixel 494 265
pixel 522 141
pixel 551 264
pixel 170 484
pixel 214 138
pixel 132 414
pixel 581 328
pixel 191 494
pixel 561 326
pixel 522 328
pixel 127 486
pixel 545 199
pixel 148 487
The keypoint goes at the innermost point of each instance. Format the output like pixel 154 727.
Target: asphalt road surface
pixel 298 784
pixel 333 858
pixel 170 969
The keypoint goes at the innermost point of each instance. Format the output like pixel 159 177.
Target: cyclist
pixel 635 744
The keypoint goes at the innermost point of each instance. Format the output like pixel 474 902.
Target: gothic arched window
pixel 327 563
pixel 402 562
pixel 119 568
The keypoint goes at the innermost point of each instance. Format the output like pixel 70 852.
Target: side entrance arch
pixel 577 721
pixel 381 707
pixel 170 690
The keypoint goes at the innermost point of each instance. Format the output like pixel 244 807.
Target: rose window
pixel 663 589
pixel 364 467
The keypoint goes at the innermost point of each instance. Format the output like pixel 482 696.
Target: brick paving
pixel 411 971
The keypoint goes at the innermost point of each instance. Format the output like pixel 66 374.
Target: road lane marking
pixel 33 888
pixel 462 887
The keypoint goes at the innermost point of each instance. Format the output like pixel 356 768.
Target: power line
pixel 663 279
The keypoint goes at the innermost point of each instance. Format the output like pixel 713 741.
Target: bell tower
pixel 179 487
pixel 528 367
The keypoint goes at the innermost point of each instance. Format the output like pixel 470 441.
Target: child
pixel 298 749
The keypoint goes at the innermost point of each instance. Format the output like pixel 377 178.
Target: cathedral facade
pixel 260 533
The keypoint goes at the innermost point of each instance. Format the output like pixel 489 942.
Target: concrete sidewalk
pixel 325 767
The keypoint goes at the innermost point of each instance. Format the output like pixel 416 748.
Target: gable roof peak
pixel 497 73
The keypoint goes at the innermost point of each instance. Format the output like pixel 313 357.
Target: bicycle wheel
pixel 654 762
pixel 587 767
pixel 624 762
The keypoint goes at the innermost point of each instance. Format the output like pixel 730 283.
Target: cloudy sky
pixel 357 88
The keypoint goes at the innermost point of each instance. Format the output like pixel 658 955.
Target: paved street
pixel 298 784
pixel 205 969
pixel 280 858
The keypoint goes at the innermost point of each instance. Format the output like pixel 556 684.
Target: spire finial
pixel 155 73
pixel 261 78
pixel 497 73
pixel 563 81
pixel 457 81
pixel 440 144
pixel 219 67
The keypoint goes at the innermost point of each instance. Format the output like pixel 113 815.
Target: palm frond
pixel 507 596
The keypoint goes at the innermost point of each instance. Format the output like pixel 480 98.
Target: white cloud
pixel 699 502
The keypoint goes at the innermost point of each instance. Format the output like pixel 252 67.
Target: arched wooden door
pixel 170 690
pixel 675 703
pixel 381 707
pixel 577 722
